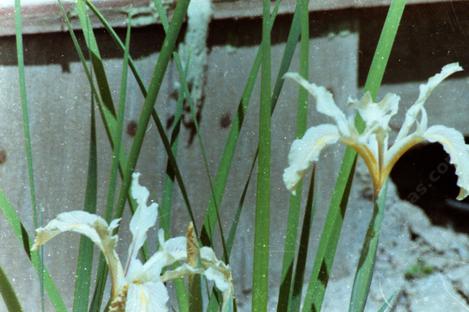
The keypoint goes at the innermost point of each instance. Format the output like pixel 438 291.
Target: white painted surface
pixel 11 3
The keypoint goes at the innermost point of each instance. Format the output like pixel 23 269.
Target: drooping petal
pixel 93 227
pixel 175 247
pixel 453 143
pixel 218 278
pixel 223 284
pixel 77 221
pixel 219 273
pixel 143 219
pixel 170 251
pixel 305 151
pixel 147 297
pixel 325 103
pixel 180 272
pixel 425 91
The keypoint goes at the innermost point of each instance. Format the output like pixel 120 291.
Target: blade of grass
pixel 108 117
pixel 196 295
pixel 21 234
pixel 168 184
pixel 25 110
pixel 8 293
pixel 388 303
pixel 155 116
pixel 237 122
pixel 186 95
pixel 106 108
pixel 260 283
pixel 291 235
pixel 328 243
pixel 111 127
pixel 182 294
pixel 96 60
pixel 162 14
pixel 302 256
pixel 235 129
pixel 148 106
pixel 37 216
pixel 102 268
pixel 366 263
pixel 155 84
pixel 225 163
pixel 186 92
pixel 85 251
pixel 330 235
pixel 224 166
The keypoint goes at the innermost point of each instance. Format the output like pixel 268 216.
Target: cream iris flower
pixel 140 286
pixel 372 144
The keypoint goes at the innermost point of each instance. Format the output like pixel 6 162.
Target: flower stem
pixel 366 263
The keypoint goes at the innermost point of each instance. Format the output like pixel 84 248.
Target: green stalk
pixel 388 304
pixel 260 284
pixel 107 113
pixel 236 128
pixel 237 123
pixel 120 126
pixel 95 56
pixel 162 14
pixel 185 90
pixel 155 84
pixel 366 263
pixel 11 216
pixel 102 268
pixel 328 243
pixel 182 294
pixel 168 184
pixel 8 294
pixel 37 216
pixel 154 115
pixel 224 166
pixel 85 252
pixel 300 267
pixel 291 235
pixel 25 110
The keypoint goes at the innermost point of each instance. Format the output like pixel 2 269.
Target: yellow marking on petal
pixel 370 160
pixel 143 298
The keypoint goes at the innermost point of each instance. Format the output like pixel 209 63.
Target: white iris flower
pixel 372 144
pixel 140 286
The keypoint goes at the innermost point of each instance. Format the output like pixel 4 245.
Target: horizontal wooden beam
pixel 42 16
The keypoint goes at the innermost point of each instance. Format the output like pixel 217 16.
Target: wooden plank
pixel 41 16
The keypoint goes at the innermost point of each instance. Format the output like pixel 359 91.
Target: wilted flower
pixel 372 143
pixel 140 286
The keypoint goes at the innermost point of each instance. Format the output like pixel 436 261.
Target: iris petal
pixel 143 219
pixel 147 297
pixel 454 144
pixel 376 115
pixel 425 91
pixel 306 150
pixel 325 103
pixel 93 227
